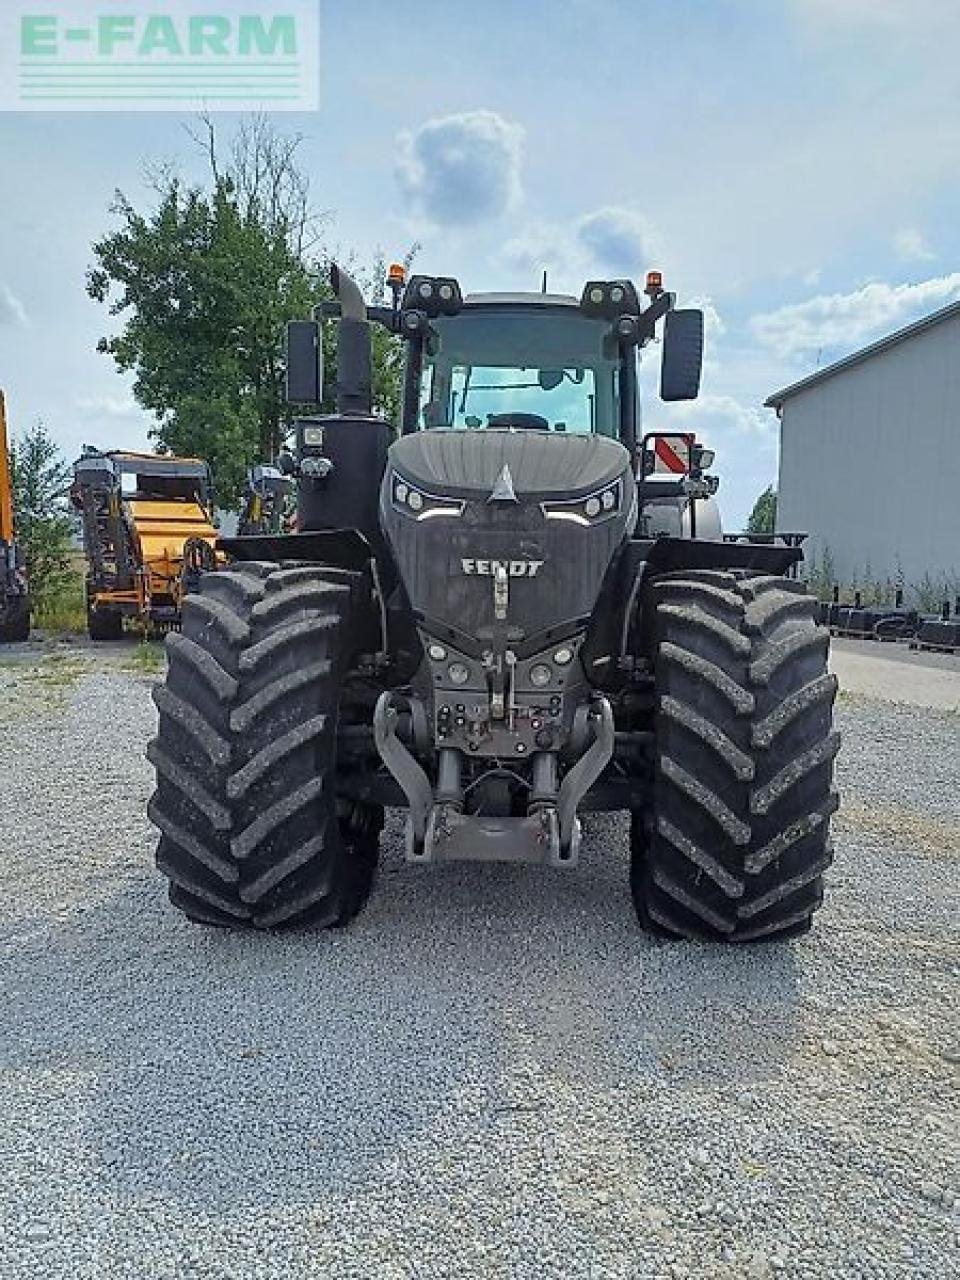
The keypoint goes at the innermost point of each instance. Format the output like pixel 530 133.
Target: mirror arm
pixel 330 309
pixel 412 374
pixel 657 309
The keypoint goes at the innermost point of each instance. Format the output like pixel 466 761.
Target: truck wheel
pixel 736 841
pixel 252 832
pixel 16 624
pixel 104 624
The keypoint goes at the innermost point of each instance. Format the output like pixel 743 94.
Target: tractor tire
pixel 104 624
pixel 252 831
pixel 736 841
pixel 15 623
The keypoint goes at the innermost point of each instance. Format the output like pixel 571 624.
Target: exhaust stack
pixel 354 393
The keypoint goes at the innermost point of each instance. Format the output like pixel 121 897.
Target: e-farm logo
pixel 158 55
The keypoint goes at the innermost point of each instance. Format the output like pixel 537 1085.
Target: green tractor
pixel 500 617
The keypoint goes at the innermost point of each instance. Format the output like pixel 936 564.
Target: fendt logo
pixel 158 55
pixel 512 568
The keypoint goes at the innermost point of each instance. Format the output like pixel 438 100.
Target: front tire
pixel 104 624
pixel 252 831
pixel 737 839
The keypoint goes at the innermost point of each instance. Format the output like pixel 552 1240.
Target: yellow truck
pixel 148 534
pixel 14 599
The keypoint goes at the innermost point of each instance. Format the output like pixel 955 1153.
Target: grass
pixel 148 658
pixel 57 669
pixel 63 610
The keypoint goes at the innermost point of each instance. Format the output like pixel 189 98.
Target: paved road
pixel 895 673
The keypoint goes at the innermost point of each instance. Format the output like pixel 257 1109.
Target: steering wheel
pixel 519 421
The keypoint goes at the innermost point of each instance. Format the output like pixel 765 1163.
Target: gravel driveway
pixel 492 1073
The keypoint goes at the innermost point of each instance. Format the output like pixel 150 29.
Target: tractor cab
pixel 546 383
pixel 521 362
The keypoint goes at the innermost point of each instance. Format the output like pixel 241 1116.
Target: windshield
pixel 537 367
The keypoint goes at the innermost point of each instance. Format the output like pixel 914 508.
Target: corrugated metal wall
pixel 870 461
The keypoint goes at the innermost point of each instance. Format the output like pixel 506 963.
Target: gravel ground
pixel 493 1073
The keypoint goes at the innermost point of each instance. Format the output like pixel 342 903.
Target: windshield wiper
pixel 466 388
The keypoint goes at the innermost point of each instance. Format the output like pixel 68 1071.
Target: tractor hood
pixel 546 512
pixel 541 464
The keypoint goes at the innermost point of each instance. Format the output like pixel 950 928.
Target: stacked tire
pixel 253 832
pixel 736 842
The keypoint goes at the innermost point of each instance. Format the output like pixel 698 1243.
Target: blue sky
pixel 791 165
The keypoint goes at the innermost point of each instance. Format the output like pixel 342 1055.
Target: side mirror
pixel 304 362
pixel 682 358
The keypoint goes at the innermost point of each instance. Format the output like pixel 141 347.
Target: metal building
pixel 870 457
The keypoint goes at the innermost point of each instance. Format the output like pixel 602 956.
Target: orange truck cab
pixel 148 533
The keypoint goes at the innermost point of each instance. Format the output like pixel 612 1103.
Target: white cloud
pixel 108 406
pixel 604 243
pixel 12 310
pixel 462 169
pixel 539 248
pixel 812 277
pixel 911 246
pixel 620 241
pixel 847 320
pixel 724 418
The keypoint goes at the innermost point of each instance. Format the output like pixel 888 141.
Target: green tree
pixel 763 517
pixel 40 477
pixel 205 283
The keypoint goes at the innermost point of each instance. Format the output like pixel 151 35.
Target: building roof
pixel 865 353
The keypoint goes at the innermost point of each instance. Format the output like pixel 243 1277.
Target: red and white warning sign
pixel 671 454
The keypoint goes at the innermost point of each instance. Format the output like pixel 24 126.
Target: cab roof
pixel 124 455
pixel 521 299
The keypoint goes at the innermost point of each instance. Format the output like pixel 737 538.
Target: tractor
pixel 148 532
pixel 268 494
pixel 500 616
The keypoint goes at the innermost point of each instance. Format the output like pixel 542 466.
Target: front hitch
pixel 437 830
pixel 584 774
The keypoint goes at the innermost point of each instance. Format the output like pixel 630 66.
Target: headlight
pixel 316 468
pixel 313 437
pixel 609 299
pixel 418 505
pixel 589 510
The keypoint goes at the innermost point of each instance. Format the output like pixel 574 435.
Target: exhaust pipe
pixel 354 359
pixel 352 305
